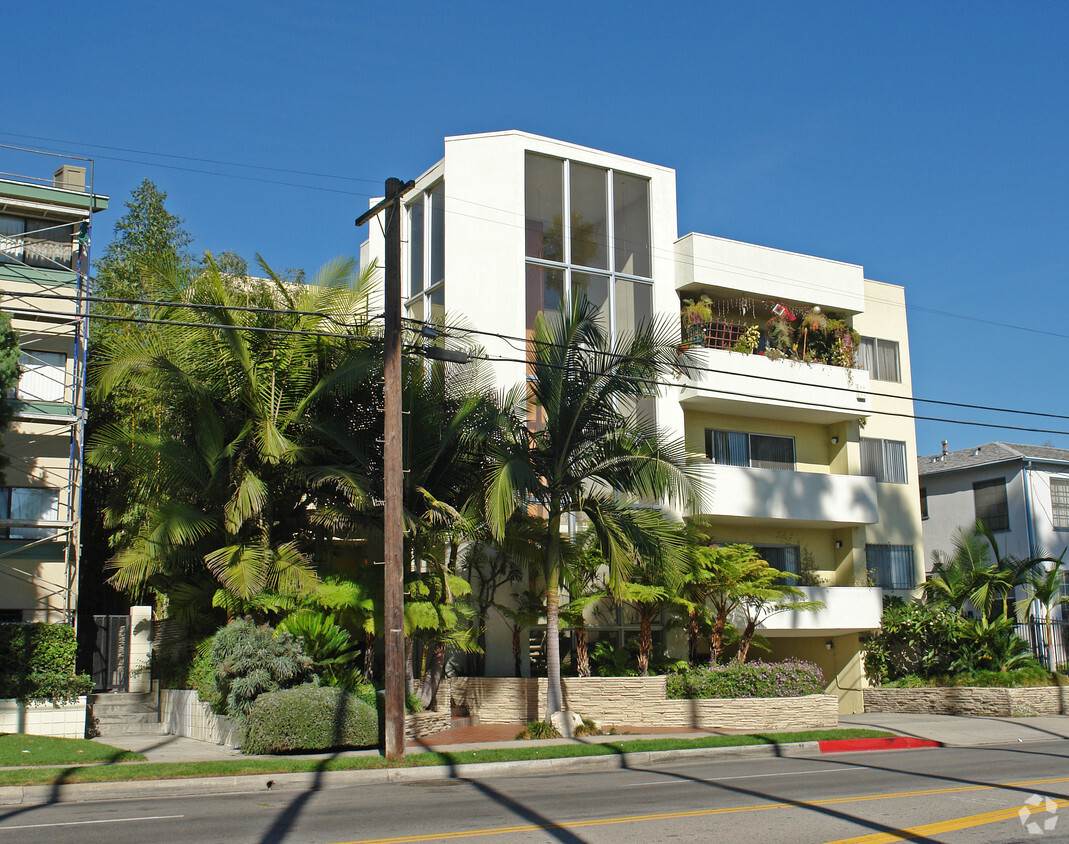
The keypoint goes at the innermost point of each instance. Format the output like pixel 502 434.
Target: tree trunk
pixel 516 653
pixel 645 640
pixel 410 679
pixel 432 677
pixel 369 656
pixel 582 654
pixel 692 639
pixel 716 640
pixel 554 696
pixel 746 639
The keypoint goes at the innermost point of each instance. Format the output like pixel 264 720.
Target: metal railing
pixel 1035 633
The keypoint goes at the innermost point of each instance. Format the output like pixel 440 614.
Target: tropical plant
pixel 9 379
pixel 718 580
pixel 593 455
pixel 525 610
pixel 611 660
pixel 767 594
pixel 1046 589
pixel 238 391
pixel 252 659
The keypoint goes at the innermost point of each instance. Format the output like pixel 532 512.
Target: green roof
pixel 55 196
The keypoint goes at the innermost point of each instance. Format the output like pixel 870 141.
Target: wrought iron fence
pixel 1035 633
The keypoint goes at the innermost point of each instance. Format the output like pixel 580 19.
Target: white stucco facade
pixel 822 507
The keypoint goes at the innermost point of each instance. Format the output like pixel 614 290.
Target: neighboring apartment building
pixel 801 459
pixel 1020 491
pixel 44 268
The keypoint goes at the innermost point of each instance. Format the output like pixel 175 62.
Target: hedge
pixel 37 663
pixel 792 678
pixel 309 718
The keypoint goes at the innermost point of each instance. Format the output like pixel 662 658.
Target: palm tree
pixel 229 388
pixel 591 457
pixel 1047 589
pixel 766 594
pixel 718 581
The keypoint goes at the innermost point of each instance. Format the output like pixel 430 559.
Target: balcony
pixel 754 385
pixel 706 263
pixel 847 609
pixel 776 496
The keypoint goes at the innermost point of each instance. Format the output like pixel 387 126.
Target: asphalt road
pixel 952 795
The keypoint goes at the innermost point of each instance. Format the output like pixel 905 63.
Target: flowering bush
pixel 792 678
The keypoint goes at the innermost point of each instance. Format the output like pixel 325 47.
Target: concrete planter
pixel 184 714
pixel 965 700
pixel 43 719
pixel 639 702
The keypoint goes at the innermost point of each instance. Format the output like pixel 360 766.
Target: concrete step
pixel 126 717
pixel 123 698
pixel 105 730
pixel 122 709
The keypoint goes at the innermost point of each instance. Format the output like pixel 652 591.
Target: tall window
pixel 891 566
pixel 924 502
pixel 44 376
pixel 879 358
pixel 759 451
pixel 884 460
pixel 587 234
pixel 29 504
pixel 426 255
pixel 787 558
pixel 1059 502
pixel 991 505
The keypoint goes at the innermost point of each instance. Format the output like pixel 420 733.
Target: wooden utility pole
pixel 393 476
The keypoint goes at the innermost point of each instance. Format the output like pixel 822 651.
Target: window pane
pixel 33 504
pixel 44 376
pixel 11 238
pixel 991 504
pixel 437 298
pixel 634 305
pixel 728 448
pixel 415 247
pixel 887 361
pixel 1059 502
pixel 589 218
pixel 631 221
pixel 545 291
pixel 595 289
pixel 894 462
pixel 544 202
pixel 866 355
pixel 437 198
pixel 771 452
pixel 924 502
pixel 891 566
pixel 870 457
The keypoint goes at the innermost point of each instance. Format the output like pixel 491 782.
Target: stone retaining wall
pixel 638 702
pixel 965 700
pixel 421 724
pixel 66 720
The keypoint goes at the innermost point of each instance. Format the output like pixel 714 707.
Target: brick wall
pixel 638 702
pixel 1047 700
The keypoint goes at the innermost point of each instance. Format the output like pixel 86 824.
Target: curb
pixel 896 743
pixel 28 795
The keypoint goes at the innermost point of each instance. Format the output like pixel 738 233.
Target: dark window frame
pixel 995 513
pixel 709 439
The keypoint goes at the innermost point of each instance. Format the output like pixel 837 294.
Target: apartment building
pixel 802 459
pixel 44 268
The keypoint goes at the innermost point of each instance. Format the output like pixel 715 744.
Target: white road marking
pixel 84 823
pixel 670 780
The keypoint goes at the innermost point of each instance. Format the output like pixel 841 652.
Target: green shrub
pixel 37 663
pixel 913 638
pixel 251 660
pixel 201 677
pixel 792 678
pixel 588 728
pixel 309 718
pixel 1030 675
pixel 537 730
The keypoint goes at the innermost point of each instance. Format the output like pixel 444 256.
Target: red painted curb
pixel 896 743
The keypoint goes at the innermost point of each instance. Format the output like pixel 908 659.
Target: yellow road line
pixel 727 810
pixel 942 826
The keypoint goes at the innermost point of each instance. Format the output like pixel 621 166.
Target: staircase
pixel 124 714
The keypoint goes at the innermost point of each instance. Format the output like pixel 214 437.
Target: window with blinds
pixel 891 566
pixel 786 558
pixel 992 507
pixel 1059 502
pixel 758 451
pixel 884 460
pixel 44 376
pixel 879 358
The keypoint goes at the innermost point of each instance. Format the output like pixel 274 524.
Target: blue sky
pixel 925 141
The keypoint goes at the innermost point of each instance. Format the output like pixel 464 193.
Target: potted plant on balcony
pixel 696 314
pixel 749 341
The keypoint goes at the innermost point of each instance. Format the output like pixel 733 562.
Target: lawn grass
pixel 291 764
pixel 16 749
